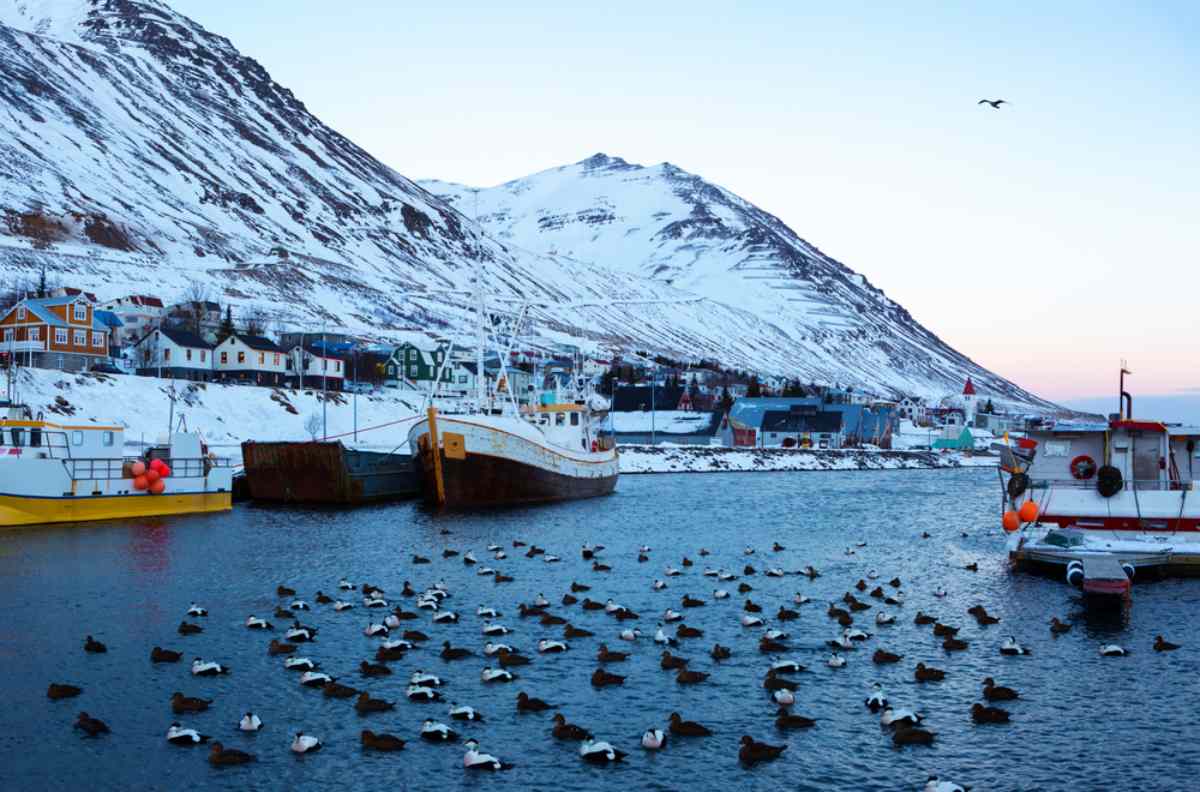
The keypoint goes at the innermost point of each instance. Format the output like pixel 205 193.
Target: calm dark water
pixel 1083 722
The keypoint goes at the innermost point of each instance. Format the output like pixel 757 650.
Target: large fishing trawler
pixel 1121 493
pixel 54 473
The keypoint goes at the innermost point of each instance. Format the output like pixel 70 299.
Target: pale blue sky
pixel 1046 240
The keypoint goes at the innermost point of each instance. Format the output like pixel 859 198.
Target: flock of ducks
pixel 394 636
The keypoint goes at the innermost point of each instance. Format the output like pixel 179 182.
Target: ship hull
pixel 473 464
pixel 19 510
pixel 327 473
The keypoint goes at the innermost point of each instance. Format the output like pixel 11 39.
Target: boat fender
pixel 1075 573
pixel 1129 570
pixel 595 446
pixel 1083 467
pixel 1109 481
pixel 1017 484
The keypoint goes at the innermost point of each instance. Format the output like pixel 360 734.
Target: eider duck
pixel 981 714
pixel 207 668
pixel 445 617
pixel 658 585
pixel 334 689
pixel 685 677
pixel 720 652
pixel 954 645
pixel 474 760
pixel 882 656
pixel 774 682
pixel 464 712
pixel 453 653
pixel 93 646
pixel 661 637
pixel 685 728
pixel 944 630
pixel 373 669
pixel 419 677
pixel 993 692
pixel 181 703
pixel 787 667
pixel 1057 628
pixel 299 605
pixel 598 567
pixel 923 618
pixel 910 735
pixel 300 634
pixel 570 631
pixel 669 662
pixel 381 742
pixel 549 646
pixel 601 678
pixel 877 700
pixel 692 602
pixel 177 735
pixel 489 674
pixel 373 628
pixel 345 585
pixel 752 607
pixel 928 674
pixel 220 755
pixel 604 655
pixel 883 619
pixel 255 623
pixel 305 743
pixel 563 730
pixel 653 739
pixel 785 720
pixel 526 703
pixel 935 785
pixel 752 752
pixel 89 725
pixel 422 693
pixel 720 594
pixel 284 591
pixel 749 620
pixel 899 717
pixel 1011 647
pixel 1112 650
pixel 57 691
pixel 432 731
pixel 595 752
pixel 196 610
pixel 785 614
pixel 314 679
pixel 1162 645
pixel 672 616
pixel 250 723
pixel 810 572
pixel 486 612
pixel 160 655
pixel 836 661
pixel 299 664
pixel 784 697
pixel 767 646
pixel 282 613
pixel 744 588
pixel 683 631
pixel 492 629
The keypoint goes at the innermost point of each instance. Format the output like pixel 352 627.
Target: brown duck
pixel 924 618
pixel 389 654
pixel 954 645
pixel 550 620
pixel 568 600
pixel 744 588
pixel 877 592
pixel 365 704
pixel 981 714
pixel 1163 645
pixel 993 692
pixel 568 731
pixel 508 659
pixel 373 670
pixel 381 742
pixel 282 613
pixel 786 720
pixel 671 662
pixel 683 631
pixel 767 646
pixel 752 607
pixel 944 630
pixel 277 647
pixel 775 682
pixel 219 755
pixel 720 652
pixel 753 752
pixel 692 602
pixel 414 635
pixel 333 689
pixel 90 644
pixel 525 703
pixel 90 726
pixel 453 653
pixel 58 691
pixel 861 585
pixel 910 735
pixel 606 656
pixel 1057 627
pixel 927 674
pixel 570 631
pixel 683 728
pixel 189 629
pixel 160 655
pixel 284 591
pixel 601 678
pixel 786 615
pixel 883 656
pixel 591 604
pixel 579 587
pixel 181 703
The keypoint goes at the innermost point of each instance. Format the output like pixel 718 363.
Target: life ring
pixel 1083 467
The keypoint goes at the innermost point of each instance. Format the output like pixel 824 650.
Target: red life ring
pixel 595 447
pixel 1083 467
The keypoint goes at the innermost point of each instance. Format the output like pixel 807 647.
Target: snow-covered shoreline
pixel 716 459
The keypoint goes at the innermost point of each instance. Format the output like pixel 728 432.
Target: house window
pixel 81 338
pixel 34 334
pixel 8 336
pixel 337 367
pixel 275 359
pixel 166 355
pixel 574 419
pixel 203 355
pixel 324 365
pixel 98 340
pixel 20 313
pixel 412 354
pixel 224 357
pixel 188 354
pixel 462 379
pixel 262 358
pixel 80 312
pixel 241 356
pixel 60 335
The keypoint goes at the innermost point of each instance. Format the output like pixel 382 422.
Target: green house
pixel 964 442
pixel 421 365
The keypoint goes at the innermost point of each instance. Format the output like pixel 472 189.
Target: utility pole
pixel 653 387
pixel 354 396
pixel 324 390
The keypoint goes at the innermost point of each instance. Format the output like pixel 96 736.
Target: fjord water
pixel 1083 722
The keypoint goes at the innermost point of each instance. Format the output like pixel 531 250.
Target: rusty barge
pixel 329 473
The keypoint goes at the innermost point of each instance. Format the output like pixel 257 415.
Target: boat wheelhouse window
pixel 77 438
pixel 560 419
pixel 18 437
pixel 574 419
pixel 106 438
pixel 35 437
pixel 543 419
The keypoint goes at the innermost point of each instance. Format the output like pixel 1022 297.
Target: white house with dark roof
pixel 311 368
pixel 139 314
pixel 172 353
pixel 247 358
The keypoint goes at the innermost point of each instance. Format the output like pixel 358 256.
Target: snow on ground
pixel 668 421
pixel 224 414
pixel 713 459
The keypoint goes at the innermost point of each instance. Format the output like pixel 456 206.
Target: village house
pixel 139 314
pixel 314 368
pixel 55 332
pixel 201 317
pixel 174 354
pixel 248 358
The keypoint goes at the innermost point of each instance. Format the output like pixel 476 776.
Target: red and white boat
pixel 1124 490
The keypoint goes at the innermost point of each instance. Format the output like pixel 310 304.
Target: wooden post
pixel 439 485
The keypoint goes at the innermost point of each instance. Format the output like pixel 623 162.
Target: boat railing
pixel 111 468
pixel 1141 485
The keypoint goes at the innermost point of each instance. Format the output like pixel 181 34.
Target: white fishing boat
pixel 1122 490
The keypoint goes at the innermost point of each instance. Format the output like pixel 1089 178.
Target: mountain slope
pixel 140 152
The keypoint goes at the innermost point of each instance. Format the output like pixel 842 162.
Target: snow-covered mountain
pixel 140 152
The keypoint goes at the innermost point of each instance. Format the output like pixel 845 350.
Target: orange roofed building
pixel 54 332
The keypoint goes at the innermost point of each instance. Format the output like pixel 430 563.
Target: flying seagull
pixel 995 103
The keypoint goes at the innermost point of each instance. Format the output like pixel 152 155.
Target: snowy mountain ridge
pixel 139 151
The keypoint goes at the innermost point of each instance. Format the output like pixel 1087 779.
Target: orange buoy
pixel 157 464
pixel 152 475
pixel 140 483
pixel 1028 512
pixel 157 487
pixel 137 468
pixel 1012 521
pixel 164 471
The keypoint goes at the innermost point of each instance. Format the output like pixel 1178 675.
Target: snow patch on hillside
pixel 711 459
